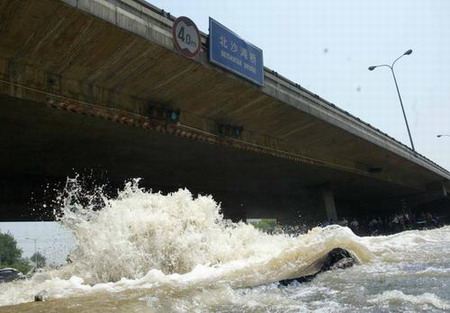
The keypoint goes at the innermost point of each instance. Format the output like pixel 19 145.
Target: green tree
pixel 38 259
pixel 11 255
pixel 9 252
pixel 265 224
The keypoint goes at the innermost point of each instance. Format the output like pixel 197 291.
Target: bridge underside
pixel 42 145
pixel 110 61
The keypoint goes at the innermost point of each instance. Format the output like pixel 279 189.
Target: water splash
pixel 139 230
pixel 171 244
pixel 398 296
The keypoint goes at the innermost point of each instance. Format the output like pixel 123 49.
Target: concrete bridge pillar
pixel 310 205
pixel 328 202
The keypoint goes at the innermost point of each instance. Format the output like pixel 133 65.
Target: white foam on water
pixel 175 252
pixel 402 247
pixel 169 244
pixel 398 296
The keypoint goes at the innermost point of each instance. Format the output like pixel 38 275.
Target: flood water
pixel 148 252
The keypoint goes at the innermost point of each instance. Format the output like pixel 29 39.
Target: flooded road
pixel 147 252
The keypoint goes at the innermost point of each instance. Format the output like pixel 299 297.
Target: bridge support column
pixel 328 203
pixel 309 206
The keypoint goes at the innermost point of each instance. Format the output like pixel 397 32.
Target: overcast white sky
pixel 327 45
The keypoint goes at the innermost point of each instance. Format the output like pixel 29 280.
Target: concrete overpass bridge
pixel 81 80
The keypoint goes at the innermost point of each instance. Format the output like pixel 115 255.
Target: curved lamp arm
pixel 391 67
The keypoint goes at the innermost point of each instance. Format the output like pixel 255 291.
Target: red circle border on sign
pixel 186 52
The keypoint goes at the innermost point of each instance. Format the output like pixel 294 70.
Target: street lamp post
pixel 442 135
pixel 391 67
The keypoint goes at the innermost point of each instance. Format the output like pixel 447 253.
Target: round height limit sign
pixel 186 37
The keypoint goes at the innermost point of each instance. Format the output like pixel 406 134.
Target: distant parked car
pixel 10 274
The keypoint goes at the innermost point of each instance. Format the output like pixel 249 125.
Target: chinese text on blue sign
pixel 228 50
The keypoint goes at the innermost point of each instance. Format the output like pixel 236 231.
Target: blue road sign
pixel 229 51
